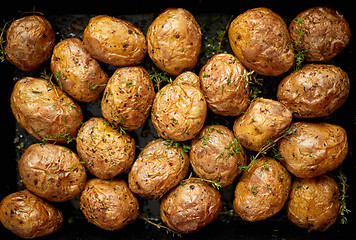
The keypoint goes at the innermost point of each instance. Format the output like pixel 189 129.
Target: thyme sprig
pixel 343 208
pixel 160 226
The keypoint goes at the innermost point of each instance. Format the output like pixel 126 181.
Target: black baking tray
pixel 69 21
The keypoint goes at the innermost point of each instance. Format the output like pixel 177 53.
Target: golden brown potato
pixel 45 111
pixel 260 40
pixel 158 168
pixel 226 91
pixel 315 90
pixel 29 216
pixel 190 206
pixel 109 204
pixel 264 119
pixel 321 31
pixel 76 72
pixel 52 172
pixel 114 41
pixel 217 155
pixel 174 40
pixel 188 78
pixel 29 42
pixel 128 97
pixel 262 190
pixel 315 149
pixel 104 151
pixel 314 203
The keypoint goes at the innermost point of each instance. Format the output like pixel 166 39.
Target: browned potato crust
pixel 104 151
pixel 262 190
pixel 76 72
pixel 29 42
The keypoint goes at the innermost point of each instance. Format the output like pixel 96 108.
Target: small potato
pixel 76 72
pixel 114 41
pixel 314 203
pixel 315 90
pixel 264 119
pixel 174 40
pixel 45 111
pixel 29 216
pixel 52 172
pixel 262 190
pixel 105 151
pixel 190 206
pixel 315 149
pixel 226 91
pixel 29 42
pixel 260 40
pixel 109 204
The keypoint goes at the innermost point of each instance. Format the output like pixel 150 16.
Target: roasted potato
pixel 217 155
pixel 159 167
pixel 314 149
pixel 188 78
pixel 29 216
pixel 315 90
pixel 190 206
pixel 105 151
pixel 174 40
pixel 128 97
pixel 262 190
pixel 321 32
pixel 29 42
pixel 109 204
pixel 224 86
pixel 114 41
pixel 314 203
pixel 45 111
pixel 76 72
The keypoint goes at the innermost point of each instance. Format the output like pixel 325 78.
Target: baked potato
pixel 29 42
pixel 105 151
pixel 128 97
pixel 314 203
pixel 52 172
pixel 190 206
pixel 174 40
pixel 262 190
pixel 109 204
pixel 29 216
pixel 315 90
pixel 188 78
pixel 224 86
pixel 114 41
pixel 159 167
pixel 76 72
pixel 260 40
pixel 45 111
pixel 314 149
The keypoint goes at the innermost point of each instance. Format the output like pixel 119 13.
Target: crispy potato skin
pixel 114 41
pixel 174 40
pixel 263 119
pixel 78 73
pixel 44 110
pixel 29 216
pixel 52 172
pixel 262 190
pixel 260 40
pixel 190 206
pixel 105 151
pixel 314 203
pixel 224 87
pixel 29 42
pixel 158 168
pixel 315 90
pixel 325 33
pixel 128 97
pixel 315 149
pixel 215 155
pixel 109 204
